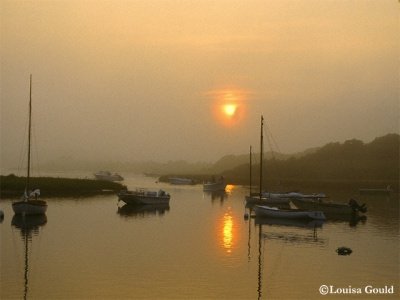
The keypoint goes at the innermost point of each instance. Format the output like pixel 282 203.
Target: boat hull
pixel 136 198
pixel 271 212
pixel 30 207
pixel 326 207
pixel 262 200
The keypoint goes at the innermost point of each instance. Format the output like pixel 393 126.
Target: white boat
pixel 295 195
pixel 332 208
pixel 255 199
pixel 214 186
pixel 143 196
pixel 180 181
pixel 107 176
pixel 274 212
pixel 30 203
pixel 383 191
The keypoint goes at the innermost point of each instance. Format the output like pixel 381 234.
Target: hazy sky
pixel 140 80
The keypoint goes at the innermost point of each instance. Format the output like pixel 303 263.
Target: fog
pixel 144 80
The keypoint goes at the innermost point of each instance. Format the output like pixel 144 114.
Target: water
pixel 199 247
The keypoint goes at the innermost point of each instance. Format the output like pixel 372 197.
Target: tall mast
pixel 250 171
pixel 261 154
pixel 29 136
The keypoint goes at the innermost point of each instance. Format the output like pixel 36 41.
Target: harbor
pixel 194 247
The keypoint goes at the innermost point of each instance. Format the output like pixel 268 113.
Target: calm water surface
pixel 200 246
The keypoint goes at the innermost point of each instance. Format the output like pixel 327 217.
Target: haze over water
pixel 168 80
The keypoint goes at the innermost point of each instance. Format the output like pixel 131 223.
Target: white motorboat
pixel 274 212
pixel 143 196
pixel 30 203
pixel 107 176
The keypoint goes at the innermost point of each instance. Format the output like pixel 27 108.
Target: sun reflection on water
pixel 228 232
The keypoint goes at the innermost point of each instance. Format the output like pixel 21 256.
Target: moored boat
pixel 256 199
pixel 215 185
pixel 383 191
pixel 107 176
pixel 274 212
pixel 143 196
pixel 332 208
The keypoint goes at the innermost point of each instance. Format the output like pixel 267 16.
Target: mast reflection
pixel 293 236
pixel 28 226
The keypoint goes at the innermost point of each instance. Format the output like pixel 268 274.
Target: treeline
pixel 376 162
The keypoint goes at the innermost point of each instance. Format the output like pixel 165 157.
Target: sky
pixel 188 80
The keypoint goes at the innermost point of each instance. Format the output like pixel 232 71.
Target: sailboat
pixel 260 197
pixel 30 204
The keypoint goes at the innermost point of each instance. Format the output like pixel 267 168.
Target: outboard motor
pixel 356 207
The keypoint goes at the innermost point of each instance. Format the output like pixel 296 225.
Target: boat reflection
pixel 275 229
pixel 142 211
pixel 289 222
pixel 29 226
pixel 353 219
pixel 216 196
pixel 219 195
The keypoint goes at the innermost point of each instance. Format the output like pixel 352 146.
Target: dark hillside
pixel 353 160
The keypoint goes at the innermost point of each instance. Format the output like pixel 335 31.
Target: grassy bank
pixel 13 186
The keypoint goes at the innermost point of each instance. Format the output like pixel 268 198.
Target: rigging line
pixel 270 136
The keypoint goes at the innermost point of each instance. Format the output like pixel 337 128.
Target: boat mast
pixel 261 154
pixel 250 171
pixel 29 137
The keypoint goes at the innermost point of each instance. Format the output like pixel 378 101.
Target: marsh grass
pixel 13 186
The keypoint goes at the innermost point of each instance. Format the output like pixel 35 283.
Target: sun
pixel 229 105
pixel 230 109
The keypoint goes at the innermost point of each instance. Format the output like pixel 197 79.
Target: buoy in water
pixel 344 251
